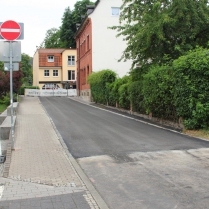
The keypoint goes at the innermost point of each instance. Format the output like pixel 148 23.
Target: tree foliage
pixel 52 39
pixel 64 36
pixel 156 28
pixel 69 20
pixel 26 68
pixel 18 77
pixel 5 82
pixel 67 29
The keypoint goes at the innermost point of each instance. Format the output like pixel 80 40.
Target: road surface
pixel 130 163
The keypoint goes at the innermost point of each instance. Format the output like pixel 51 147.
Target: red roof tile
pixel 50 51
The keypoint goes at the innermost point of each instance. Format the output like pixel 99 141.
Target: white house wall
pixel 106 47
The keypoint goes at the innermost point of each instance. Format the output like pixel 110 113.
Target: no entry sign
pixel 10 30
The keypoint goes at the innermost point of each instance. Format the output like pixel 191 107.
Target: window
pixel 84 76
pixel 46 72
pixel 84 46
pixel 71 60
pixel 71 75
pixel 55 72
pixel 87 70
pixel 50 58
pixel 115 11
pixel 88 43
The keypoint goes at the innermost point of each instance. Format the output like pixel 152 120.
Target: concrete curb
pixel 8 158
pixel 7 162
pixel 136 117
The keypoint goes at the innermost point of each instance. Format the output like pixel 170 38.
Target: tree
pixel 156 29
pixel 17 81
pixel 64 36
pixel 26 68
pixel 80 10
pixel 52 39
pixel 69 20
pixel 3 83
pixel 67 29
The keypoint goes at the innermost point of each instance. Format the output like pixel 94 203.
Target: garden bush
pixel 22 89
pixel 114 93
pixel 158 85
pixel 124 98
pixel 192 89
pixel 99 84
pixel 136 96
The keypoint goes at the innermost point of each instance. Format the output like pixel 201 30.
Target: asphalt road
pixel 132 164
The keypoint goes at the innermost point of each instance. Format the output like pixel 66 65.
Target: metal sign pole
pixel 67 88
pixel 11 92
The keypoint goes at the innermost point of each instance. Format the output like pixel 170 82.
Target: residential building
pixel 98 47
pixel 54 68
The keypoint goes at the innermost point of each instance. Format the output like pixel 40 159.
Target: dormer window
pixel 50 58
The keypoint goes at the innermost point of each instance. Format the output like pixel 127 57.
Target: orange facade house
pixel 54 68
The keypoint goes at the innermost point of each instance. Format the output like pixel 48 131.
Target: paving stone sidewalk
pixel 41 174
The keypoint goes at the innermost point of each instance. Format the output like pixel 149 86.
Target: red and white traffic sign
pixel 10 30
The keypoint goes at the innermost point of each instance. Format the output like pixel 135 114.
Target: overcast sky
pixel 37 15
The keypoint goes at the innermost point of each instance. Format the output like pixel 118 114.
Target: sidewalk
pixel 42 173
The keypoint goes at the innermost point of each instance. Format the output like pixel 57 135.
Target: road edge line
pixel 141 121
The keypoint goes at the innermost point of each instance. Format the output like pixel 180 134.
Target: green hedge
pixel 136 96
pixel 180 89
pixel 22 89
pixel 192 88
pixel 114 94
pixel 158 99
pixel 124 98
pixel 99 84
pixel 5 100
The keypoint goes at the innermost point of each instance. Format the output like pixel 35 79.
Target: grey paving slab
pixel 39 157
pixel 67 201
pixel 13 189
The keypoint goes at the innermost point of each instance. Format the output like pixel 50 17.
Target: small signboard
pixel 5 53
pixel 15 66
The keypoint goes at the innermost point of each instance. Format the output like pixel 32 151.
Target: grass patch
pixel 198 133
pixel 2 107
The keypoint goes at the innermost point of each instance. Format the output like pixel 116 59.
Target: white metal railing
pixel 51 92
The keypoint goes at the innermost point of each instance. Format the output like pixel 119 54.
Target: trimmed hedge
pixel 136 96
pixel 191 93
pixel 124 98
pixel 22 89
pixel 158 98
pixel 180 89
pixel 99 84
